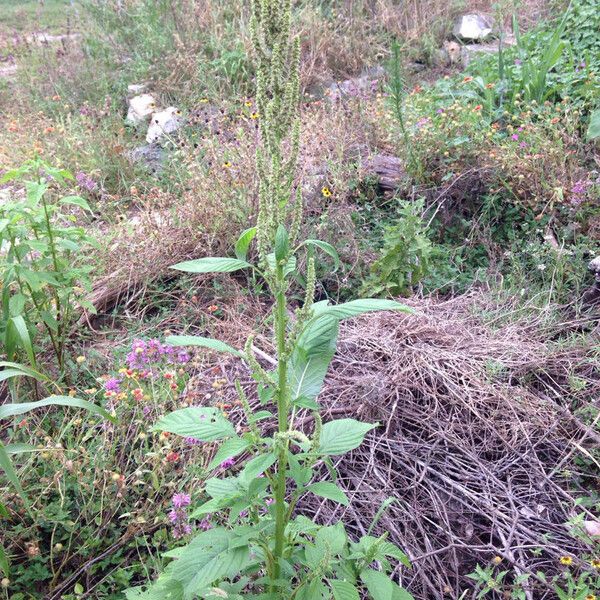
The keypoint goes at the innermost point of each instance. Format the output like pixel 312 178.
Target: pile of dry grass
pixel 477 445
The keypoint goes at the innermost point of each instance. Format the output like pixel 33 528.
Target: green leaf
pixel 197 570
pixel 389 549
pixel 7 466
pixel 20 448
pixel 229 448
pixel 257 465
pixel 343 590
pixel 228 487
pixel 212 265
pixel 362 306
pixel 11 410
pixel 330 491
pixel 24 369
pixel 203 342
pixel 399 593
pixel 311 358
pixel 76 201
pixel 343 435
pixel 380 586
pixel 327 248
pixel 593 131
pixel 282 245
pixel 35 191
pixel 243 243
pixel 202 423
pixel 17 334
pixel 4 565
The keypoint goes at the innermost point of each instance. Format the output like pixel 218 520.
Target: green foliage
pixel 269 553
pixel 15 409
pixel 405 255
pixel 549 62
pixel 43 280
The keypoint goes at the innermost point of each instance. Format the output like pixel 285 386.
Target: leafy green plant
pixel 405 255
pixel 11 370
pixel 397 94
pixel 261 549
pixel 42 281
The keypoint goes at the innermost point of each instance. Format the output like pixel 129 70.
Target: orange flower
pixel 489 86
pixel 467 79
pixel 477 108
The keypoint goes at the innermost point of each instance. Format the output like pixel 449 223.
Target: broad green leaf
pixel 203 342
pixel 330 491
pixel 206 508
pixel 343 590
pixel 16 304
pixel 76 201
pixel 389 549
pixel 257 465
pixel 212 265
pixel 311 358
pixel 11 410
pixel 282 245
pixel 593 131
pixel 35 191
pixel 229 448
pixel 327 248
pixel 343 435
pixel 380 586
pixel 206 560
pixel 3 511
pixel 223 488
pixel 362 306
pixel 243 243
pixel 399 593
pixel 290 266
pixel 202 423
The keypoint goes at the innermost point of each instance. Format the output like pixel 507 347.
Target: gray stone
pixel 150 156
pixel 473 28
pixel 363 85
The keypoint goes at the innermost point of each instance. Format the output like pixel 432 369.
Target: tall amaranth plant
pixel 258 547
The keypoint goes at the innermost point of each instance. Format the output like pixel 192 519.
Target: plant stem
pixel 282 415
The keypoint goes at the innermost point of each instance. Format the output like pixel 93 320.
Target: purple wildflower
pixel 227 463
pixel 515 137
pixel 113 385
pixel 522 145
pixel 192 441
pixel 518 61
pixel 179 517
pixel 181 500
pixel 205 524
pixel 85 181
pixel 183 357
pixel 579 191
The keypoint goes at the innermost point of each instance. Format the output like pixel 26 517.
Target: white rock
pixel 140 108
pixel 163 123
pixel 594 264
pixel 137 88
pixel 473 28
pixel 592 528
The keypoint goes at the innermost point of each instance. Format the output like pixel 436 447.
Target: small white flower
pixel 541 267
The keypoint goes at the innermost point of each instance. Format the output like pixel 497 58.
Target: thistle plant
pixel 258 546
